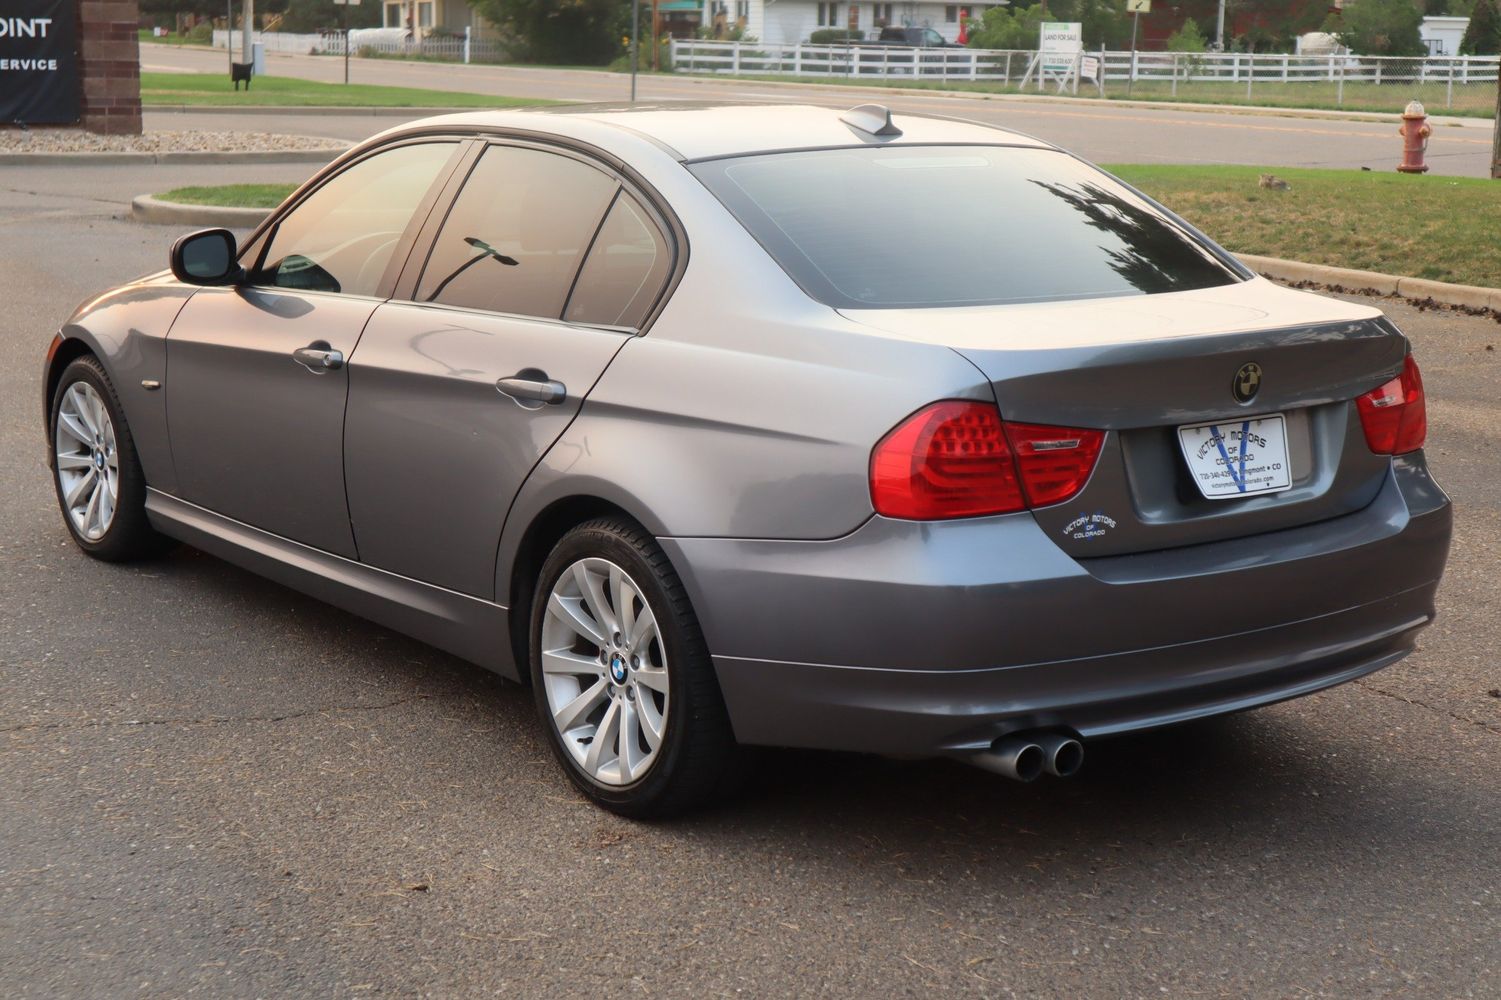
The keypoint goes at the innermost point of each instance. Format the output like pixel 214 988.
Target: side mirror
pixel 206 257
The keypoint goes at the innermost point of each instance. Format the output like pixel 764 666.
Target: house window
pixel 393 15
pixel 882 14
pixel 742 10
pixel 425 15
pixel 951 14
pixel 828 15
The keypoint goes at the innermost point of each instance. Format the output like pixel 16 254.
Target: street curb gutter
pixel 210 156
pixel 171 213
pixel 1421 289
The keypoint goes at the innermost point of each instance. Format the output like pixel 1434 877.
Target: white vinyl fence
pixel 1341 80
pixel 373 42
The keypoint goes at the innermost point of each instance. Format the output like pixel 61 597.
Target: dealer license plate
pixel 1237 458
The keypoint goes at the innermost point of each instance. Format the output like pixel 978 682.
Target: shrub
pixel 835 36
pixel 201 33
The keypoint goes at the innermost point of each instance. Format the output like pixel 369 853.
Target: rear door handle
pixel 532 385
pixel 318 357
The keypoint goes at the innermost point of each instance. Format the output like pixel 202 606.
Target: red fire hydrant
pixel 1414 133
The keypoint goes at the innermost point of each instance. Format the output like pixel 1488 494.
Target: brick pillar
pixel 109 61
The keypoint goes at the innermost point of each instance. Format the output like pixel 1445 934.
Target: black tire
pixel 698 760
pixel 129 535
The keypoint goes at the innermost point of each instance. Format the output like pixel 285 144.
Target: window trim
pixel 256 247
pixel 668 226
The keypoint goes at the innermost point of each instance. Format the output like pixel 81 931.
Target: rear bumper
pixel 921 639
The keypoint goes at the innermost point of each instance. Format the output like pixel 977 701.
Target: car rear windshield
pixel 916 226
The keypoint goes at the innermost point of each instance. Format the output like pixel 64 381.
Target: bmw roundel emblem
pixel 618 671
pixel 1247 382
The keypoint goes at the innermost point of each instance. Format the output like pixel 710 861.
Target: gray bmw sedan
pixel 780 425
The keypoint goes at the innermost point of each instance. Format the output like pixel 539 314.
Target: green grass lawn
pixel 215 89
pixel 1443 228
pixel 231 195
pixel 1429 227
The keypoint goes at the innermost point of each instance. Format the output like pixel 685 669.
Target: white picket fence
pixel 381 41
pixel 1010 67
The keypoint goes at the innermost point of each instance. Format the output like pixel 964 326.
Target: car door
pixel 544 265
pixel 257 382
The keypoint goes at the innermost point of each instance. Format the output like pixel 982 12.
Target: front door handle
pixel 532 385
pixel 318 357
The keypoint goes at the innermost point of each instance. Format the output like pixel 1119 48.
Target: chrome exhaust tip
pixel 1014 757
pixel 1062 755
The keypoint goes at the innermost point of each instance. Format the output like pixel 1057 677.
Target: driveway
pixel 210 785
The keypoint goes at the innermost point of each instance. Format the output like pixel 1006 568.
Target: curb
pixel 210 156
pixel 309 110
pixel 1422 289
pixel 152 211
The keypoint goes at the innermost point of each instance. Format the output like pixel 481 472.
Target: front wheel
pixel 95 470
pixel 622 677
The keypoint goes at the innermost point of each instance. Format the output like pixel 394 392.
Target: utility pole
pixel 247 10
pixel 1219 29
pixel 635 31
pixel 1496 138
pixel 655 27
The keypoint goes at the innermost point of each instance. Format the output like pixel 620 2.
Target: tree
pixel 1187 38
pixel 305 16
pixel 1380 28
pixel 586 32
pixel 1483 34
pixel 1016 27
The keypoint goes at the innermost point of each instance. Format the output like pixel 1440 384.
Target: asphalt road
pixel 1105 132
pixel 212 786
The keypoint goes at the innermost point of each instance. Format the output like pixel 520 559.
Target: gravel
pixel 165 141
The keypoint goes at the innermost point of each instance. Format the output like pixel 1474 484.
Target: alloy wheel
pixel 88 468
pixel 605 672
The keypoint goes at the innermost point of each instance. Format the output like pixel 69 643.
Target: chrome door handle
pixel 532 385
pixel 318 357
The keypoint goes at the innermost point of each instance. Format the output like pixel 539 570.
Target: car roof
pixel 695 131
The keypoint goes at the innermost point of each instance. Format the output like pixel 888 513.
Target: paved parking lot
pixel 210 785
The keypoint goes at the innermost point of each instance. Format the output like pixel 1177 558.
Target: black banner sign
pixel 39 61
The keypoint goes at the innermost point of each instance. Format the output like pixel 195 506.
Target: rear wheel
pixel 95 470
pixel 622 678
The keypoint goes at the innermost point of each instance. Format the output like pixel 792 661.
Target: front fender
pixel 126 329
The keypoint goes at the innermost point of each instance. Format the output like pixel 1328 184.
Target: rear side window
pixel 914 226
pixel 516 235
pixel 341 237
pixel 626 268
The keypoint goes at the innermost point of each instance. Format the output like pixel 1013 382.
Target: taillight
pixel 1055 462
pixel 959 459
pixel 1394 415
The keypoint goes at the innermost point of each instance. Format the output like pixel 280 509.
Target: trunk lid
pixel 1141 367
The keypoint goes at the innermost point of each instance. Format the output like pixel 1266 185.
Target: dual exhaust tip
pixel 1025 756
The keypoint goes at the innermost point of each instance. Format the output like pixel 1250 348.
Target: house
pixel 1442 35
pixel 787 22
pixel 421 18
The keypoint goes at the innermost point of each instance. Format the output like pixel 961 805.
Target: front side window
pixel 626 268
pixel 341 237
pixel 914 226
pixel 516 235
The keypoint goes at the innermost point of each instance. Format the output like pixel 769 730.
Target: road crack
pixel 1432 708
pixel 212 720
